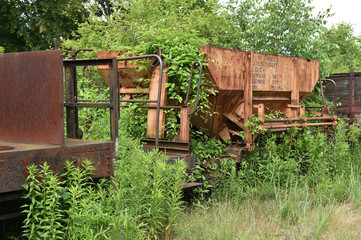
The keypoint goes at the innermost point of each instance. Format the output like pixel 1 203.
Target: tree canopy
pixel 340 49
pixel 286 27
pixel 32 24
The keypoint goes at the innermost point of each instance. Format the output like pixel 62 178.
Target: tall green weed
pixel 141 201
pixel 324 164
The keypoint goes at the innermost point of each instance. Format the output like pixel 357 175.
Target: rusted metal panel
pixel 128 71
pixel 31 97
pixel 245 80
pixel 269 72
pixel 226 67
pixel 307 75
pixel 272 73
pixel 14 162
pixel 348 93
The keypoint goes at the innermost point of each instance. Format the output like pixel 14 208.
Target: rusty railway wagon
pixel 257 84
pixel 32 120
pixel 344 90
pixel 247 84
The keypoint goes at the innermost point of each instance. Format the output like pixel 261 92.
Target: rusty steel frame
pixel 16 155
pixel 114 91
pixel 302 121
pixel 159 93
pixel 160 62
pixel 72 105
pixel 279 124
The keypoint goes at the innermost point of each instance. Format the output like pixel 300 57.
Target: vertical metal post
pixel 114 101
pixel 71 96
pixel 295 94
pixel 248 95
pixel 158 104
pixel 352 95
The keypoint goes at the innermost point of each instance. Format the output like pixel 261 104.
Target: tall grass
pixel 297 185
pixel 255 218
pixel 141 201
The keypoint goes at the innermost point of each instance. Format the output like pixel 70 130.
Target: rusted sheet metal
pixel 15 160
pixel 250 83
pixel 348 93
pixel 128 71
pixel 270 73
pixel 32 118
pixel 31 97
pixel 246 79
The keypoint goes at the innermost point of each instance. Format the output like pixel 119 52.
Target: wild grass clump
pixel 326 165
pixel 141 201
pixel 148 189
pixel 296 185
pixel 296 216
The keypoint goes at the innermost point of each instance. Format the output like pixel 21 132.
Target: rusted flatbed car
pixel 32 120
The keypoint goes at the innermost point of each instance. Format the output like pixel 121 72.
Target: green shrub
pixel 148 189
pixel 303 158
pixel 141 201
pixel 51 201
pixel 44 215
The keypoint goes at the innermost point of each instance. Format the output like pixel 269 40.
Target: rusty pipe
pixel 73 53
pixel 301 119
pixel 89 72
pixel 334 92
pixel 303 125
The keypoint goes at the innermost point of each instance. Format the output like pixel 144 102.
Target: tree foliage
pixel 32 24
pixel 340 50
pixel 285 27
pixel 130 22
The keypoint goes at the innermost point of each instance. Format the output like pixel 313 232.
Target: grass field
pixel 296 216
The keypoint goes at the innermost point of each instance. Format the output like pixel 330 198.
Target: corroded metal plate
pixel 31 97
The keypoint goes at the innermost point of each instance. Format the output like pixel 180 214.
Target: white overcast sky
pixel 345 11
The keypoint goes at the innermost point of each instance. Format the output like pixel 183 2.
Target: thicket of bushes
pixel 327 166
pixel 141 201
pixel 144 199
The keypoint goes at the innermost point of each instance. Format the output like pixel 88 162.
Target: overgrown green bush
pixel 148 189
pixel 141 201
pixel 52 201
pixel 299 158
